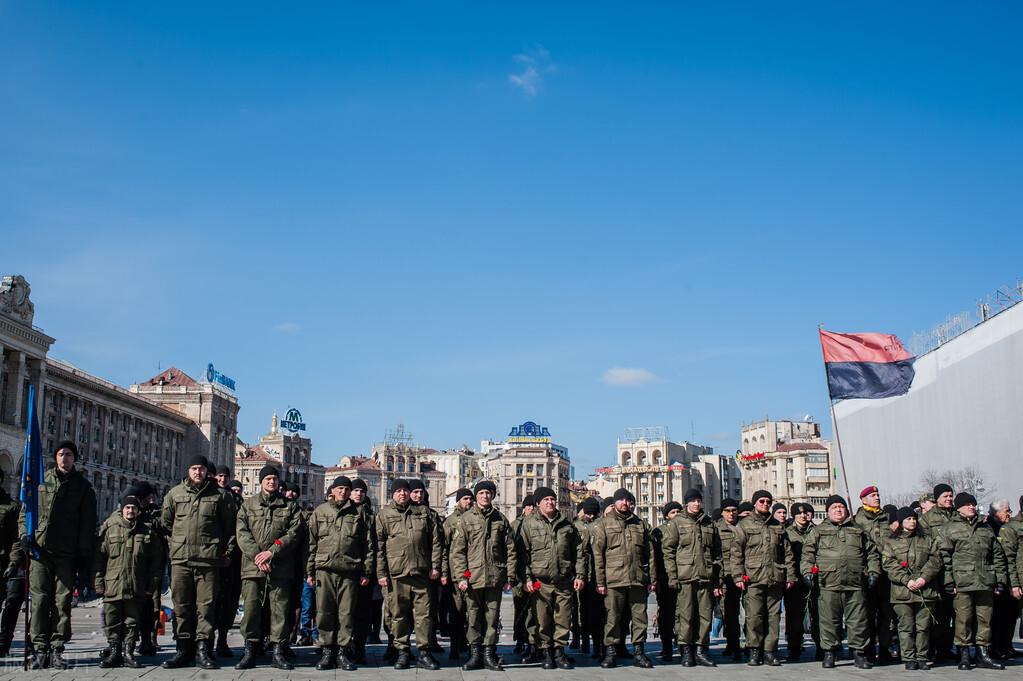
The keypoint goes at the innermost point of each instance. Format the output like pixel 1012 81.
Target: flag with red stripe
pixel 866 365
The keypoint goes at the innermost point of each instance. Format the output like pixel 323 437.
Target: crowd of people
pixel 934 581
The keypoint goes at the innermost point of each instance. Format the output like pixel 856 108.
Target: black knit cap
pixel 198 460
pixel 462 493
pixel 777 506
pixel 268 470
pixel 400 483
pixel 729 503
pixel 623 494
pixel 66 444
pixel 903 513
pixel 835 499
pixel 893 512
pixel 130 500
pixel 359 483
pixel 605 502
pixel 692 495
pixel 941 488
pixel 415 483
pixel 234 484
pixel 964 498
pixel 541 493
pixel 669 507
pixel 589 505
pixel 485 484
pixel 224 470
pixel 341 481
pixel 745 507
pixel 283 486
pixel 528 500
pixel 795 508
pixel 760 494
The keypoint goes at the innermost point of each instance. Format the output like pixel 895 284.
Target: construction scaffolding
pixel 645 433
pixel 920 343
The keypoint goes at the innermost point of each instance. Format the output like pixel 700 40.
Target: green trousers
pixel 552 606
pixel 622 602
pixel 695 613
pixel 336 595
pixel 973 612
pixel 763 616
pixel 193 590
pixel 51 583
pixel 482 610
pixel 409 599
pixel 914 622
pixel 260 595
pixel 847 606
pixel 122 618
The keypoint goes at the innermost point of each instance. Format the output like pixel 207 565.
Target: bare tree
pixel 969 479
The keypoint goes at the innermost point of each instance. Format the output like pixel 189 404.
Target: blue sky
pixel 462 217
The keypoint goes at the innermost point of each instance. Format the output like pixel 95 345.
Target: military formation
pixel 917 585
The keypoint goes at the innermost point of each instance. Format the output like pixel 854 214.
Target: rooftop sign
pixel 214 376
pixel 529 432
pixel 293 421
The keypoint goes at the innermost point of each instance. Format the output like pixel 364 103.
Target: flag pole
pixel 834 420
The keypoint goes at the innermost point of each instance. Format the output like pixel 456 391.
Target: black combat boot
pixel 548 659
pixel 609 658
pixel 770 659
pixel 223 650
pixel 703 657
pixel 343 662
pixel 912 666
pixel 148 644
pixel 248 660
pixel 639 658
pixel 426 661
pixel 402 660
pixel 57 660
pixel 885 656
pixel 490 659
pixel 756 657
pixel 686 652
pixel 829 660
pixel 40 658
pixel 562 660
pixel 203 658
pixel 475 660
pixel 279 660
pixel 984 659
pixel 860 660
pixel 964 658
pixel 286 652
pixel 115 658
pixel 328 658
pixel 183 656
pixel 129 656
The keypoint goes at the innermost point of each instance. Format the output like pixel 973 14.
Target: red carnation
pixel 536 585
pixel 278 542
pixel 745 578
pixel 815 569
pixel 467 574
pixel 904 564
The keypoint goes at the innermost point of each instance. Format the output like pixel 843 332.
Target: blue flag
pixel 32 469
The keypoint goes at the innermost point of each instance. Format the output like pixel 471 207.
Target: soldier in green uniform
pixel 931 523
pixel 589 604
pixel 731 599
pixel 456 606
pixel 230 585
pixel 667 598
pixel 199 522
pixel 128 570
pixel 762 566
pixel 844 562
pixel 553 565
pixel 341 560
pixel 800 597
pixel 1011 538
pixel 692 563
pixel 62 554
pixel 527 636
pixel 913 565
pixel 975 570
pixel 622 555
pixel 421 497
pixel 409 554
pixel 875 521
pixel 12 589
pixel 483 561
pixel 267 535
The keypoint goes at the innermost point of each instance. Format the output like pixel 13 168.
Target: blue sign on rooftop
pixel 214 376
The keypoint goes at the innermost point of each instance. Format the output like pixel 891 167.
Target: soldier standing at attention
pixel 483 561
pixel 762 566
pixel 667 597
pixel 554 565
pixel 199 522
pixel 230 586
pixel 129 568
pixel 875 521
pixel 799 597
pixel 975 571
pixel 913 565
pixel 844 560
pixel 456 607
pixel 64 546
pixel 622 555
pixel 692 561
pixel 731 600
pixel 931 523
pixel 409 553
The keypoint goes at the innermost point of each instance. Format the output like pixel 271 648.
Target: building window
pixel 518 469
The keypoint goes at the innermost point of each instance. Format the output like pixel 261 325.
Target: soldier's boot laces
pixel 475 660
pixel 964 658
pixel 328 658
pixel 771 659
pixel 860 660
pixel 703 657
pixel 548 659
pixel 248 660
pixel 686 651
pixel 345 663
pixel 490 659
pixel 756 657
pixel 223 650
pixel 426 661
pixel 115 658
pixel 639 658
pixel 279 660
pixel 129 656
pixel 609 661
pixel 829 659
pixel 984 659
pixel 202 656
pixel 561 660
pixel 403 660
pixel 57 660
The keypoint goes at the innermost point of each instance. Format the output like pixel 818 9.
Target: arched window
pixel 626 458
pixel 640 458
pixel 657 457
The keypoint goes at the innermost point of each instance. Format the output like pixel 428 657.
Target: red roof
pixel 799 446
pixel 172 376
pixel 256 453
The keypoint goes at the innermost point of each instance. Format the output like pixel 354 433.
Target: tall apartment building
pixel 790 460
pixel 527 459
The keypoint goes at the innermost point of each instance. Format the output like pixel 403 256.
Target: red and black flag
pixel 866 365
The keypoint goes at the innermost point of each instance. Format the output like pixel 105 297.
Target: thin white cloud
pixel 534 64
pixel 621 376
pixel 287 327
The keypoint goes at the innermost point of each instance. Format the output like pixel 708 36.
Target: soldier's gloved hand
pixel 808 581
pixel 950 588
pixel 999 589
pixel 871 582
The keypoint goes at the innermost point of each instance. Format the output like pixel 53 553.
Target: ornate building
pixel 527 459
pixel 290 453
